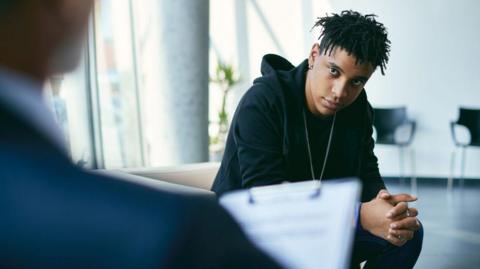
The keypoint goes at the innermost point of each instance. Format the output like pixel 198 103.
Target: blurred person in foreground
pixel 55 215
pixel 314 122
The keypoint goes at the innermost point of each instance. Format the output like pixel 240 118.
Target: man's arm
pixel 258 134
pixel 401 220
pixel 369 173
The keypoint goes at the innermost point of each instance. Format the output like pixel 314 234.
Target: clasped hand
pixel 388 216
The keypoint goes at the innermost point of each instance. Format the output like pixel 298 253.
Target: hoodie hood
pixel 279 73
pixel 272 63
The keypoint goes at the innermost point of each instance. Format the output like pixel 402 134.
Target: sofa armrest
pixel 156 184
pixel 198 175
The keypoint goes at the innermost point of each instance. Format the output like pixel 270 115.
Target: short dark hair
pixel 360 35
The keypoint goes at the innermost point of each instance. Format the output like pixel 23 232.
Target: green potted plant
pixel 226 78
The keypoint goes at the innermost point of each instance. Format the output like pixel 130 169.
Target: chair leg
pixel 452 166
pixel 413 179
pixel 462 171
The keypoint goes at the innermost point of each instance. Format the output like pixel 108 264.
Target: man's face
pixel 45 37
pixel 334 81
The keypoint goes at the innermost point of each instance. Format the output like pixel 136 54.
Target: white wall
pixel 432 69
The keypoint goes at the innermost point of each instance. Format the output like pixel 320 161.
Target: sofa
pixel 189 178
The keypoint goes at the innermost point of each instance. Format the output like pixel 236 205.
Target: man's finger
pixel 410 223
pixel 396 241
pixel 401 234
pixel 401 209
pixel 383 194
pixel 402 197
pixel 412 212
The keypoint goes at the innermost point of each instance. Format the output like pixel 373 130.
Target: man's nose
pixel 340 90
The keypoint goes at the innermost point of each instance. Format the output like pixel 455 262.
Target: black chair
pixel 389 124
pixel 470 119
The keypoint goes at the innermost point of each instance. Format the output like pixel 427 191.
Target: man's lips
pixel 332 105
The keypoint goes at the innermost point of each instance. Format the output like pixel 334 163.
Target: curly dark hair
pixel 360 35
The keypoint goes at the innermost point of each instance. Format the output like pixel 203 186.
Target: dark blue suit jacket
pixel 55 215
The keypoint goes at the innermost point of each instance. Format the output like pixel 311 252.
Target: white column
pixel 243 52
pixel 180 108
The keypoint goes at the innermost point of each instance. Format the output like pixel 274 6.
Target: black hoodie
pixel 267 142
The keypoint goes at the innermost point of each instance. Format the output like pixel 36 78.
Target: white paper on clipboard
pixel 300 225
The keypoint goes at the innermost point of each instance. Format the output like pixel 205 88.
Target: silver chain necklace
pixel 309 151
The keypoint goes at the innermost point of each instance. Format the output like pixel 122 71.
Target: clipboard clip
pixel 283 188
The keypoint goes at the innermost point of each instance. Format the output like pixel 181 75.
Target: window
pixel 119 111
pixel 108 108
pixel 69 100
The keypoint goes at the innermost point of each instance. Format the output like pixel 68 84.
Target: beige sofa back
pixel 156 184
pixel 198 175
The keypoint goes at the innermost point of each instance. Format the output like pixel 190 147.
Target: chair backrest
pixel 386 121
pixel 470 118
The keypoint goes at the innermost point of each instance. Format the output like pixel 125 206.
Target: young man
pixel 313 121
pixel 53 214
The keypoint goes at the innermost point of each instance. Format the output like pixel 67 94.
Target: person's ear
pixel 314 53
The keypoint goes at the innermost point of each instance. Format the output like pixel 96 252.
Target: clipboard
pixel 301 225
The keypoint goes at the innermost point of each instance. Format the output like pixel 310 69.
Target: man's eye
pixel 357 82
pixel 333 71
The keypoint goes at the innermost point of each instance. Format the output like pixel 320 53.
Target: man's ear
pixel 314 53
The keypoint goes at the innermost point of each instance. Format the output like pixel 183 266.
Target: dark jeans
pixel 379 253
